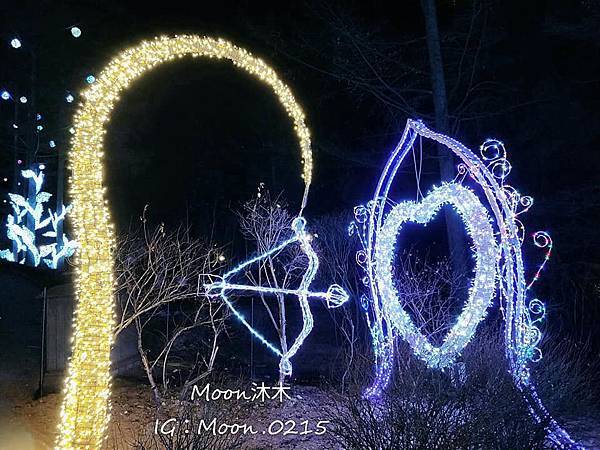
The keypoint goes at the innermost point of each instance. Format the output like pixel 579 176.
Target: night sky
pixel 194 138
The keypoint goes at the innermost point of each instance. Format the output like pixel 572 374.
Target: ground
pixel 28 424
pixel 32 426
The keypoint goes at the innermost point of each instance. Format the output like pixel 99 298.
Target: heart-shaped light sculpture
pixel 496 245
pixel 481 293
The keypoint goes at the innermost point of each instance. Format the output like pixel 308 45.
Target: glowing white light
pixel 75 32
pixel 85 409
pixel 5 95
pixel 15 43
pixel 479 228
pixel 23 99
pixel 90 79
pixel 39 127
pixel 69 98
pixel 27 223
pixel 52 144
pixel 334 297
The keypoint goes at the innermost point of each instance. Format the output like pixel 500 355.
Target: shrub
pixel 430 409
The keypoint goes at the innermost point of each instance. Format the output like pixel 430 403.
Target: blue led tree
pixel 39 131
pixel 37 237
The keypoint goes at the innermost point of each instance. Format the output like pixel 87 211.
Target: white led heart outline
pixel 481 293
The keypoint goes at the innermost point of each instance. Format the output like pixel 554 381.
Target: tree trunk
pixel 16 169
pixel 146 363
pixel 282 332
pixel 31 150
pixel 454 226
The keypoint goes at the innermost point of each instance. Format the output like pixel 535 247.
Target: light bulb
pixel 75 32
pixel 15 43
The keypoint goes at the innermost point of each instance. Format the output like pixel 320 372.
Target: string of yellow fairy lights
pixel 86 407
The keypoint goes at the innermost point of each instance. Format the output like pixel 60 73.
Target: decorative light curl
pixel 85 408
pixel 541 239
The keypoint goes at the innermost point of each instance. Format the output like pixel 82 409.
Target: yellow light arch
pixel 85 409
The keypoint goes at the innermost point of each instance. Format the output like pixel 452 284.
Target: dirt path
pixel 33 423
pixel 133 412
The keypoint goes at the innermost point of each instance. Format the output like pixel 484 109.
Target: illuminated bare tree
pixel 266 221
pixel 160 293
pixel 430 291
pixel 338 264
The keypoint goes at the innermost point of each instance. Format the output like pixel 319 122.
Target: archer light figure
pixel 334 297
pixel 28 225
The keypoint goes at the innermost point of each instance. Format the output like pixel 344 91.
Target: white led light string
pixel 334 297
pixel 479 228
pixel 85 408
